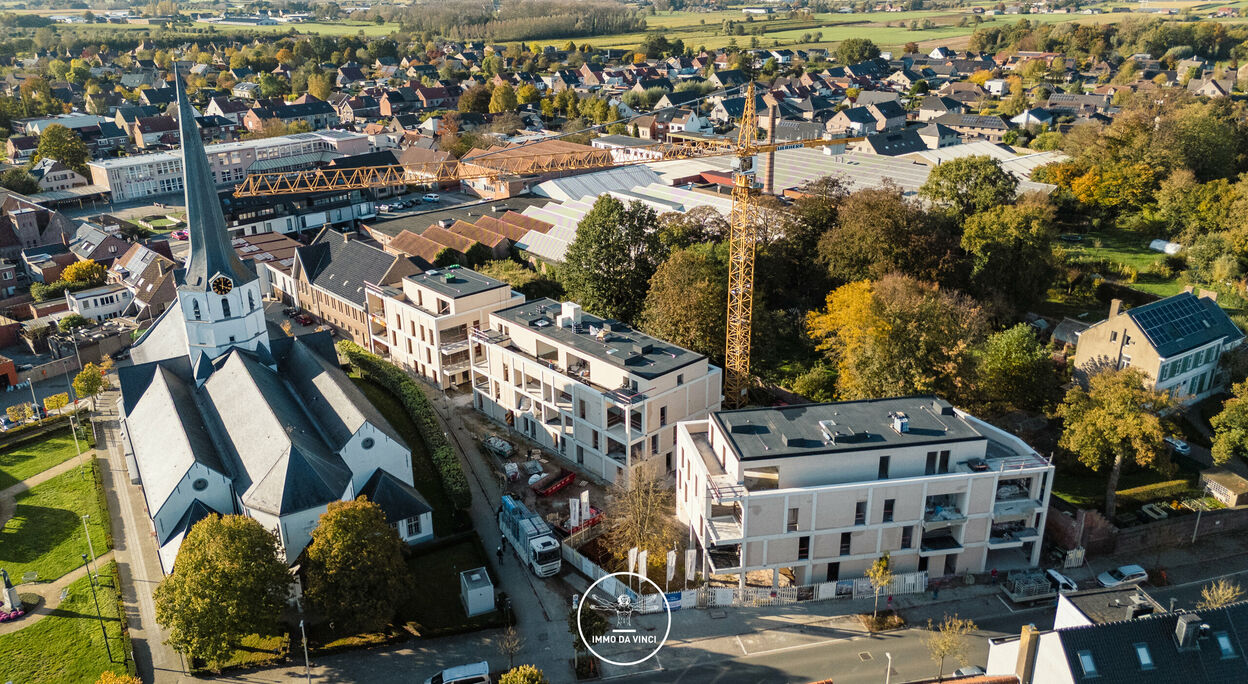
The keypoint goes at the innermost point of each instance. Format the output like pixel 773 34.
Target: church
pixel 223 412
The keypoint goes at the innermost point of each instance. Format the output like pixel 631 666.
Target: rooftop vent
pixel 445 223
pixel 901 422
pixel 828 429
pixel 1187 630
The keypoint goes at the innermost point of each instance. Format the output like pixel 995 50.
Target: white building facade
pixel 826 489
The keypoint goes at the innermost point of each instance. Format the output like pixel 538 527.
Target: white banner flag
pixel 632 559
pixel 585 505
pixel 671 565
pixel 574 513
pixel 642 564
pixel 691 564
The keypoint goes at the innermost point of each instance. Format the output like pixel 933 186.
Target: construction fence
pixel 732 597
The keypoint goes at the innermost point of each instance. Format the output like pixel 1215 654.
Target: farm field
pixel 345 28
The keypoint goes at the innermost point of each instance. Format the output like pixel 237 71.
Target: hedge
pixel 1170 489
pixel 413 398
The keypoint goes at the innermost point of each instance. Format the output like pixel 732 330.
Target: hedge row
pixel 401 385
pixel 1171 489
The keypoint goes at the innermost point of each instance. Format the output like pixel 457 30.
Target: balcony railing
pixel 941 517
pixel 724 529
pixel 1014 509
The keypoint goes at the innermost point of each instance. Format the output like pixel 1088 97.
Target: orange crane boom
pixel 743 238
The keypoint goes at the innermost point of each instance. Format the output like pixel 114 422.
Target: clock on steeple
pixel 222 285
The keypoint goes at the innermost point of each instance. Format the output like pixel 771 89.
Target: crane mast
pixel 742 244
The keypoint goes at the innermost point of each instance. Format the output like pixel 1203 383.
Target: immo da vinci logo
pixel 638 624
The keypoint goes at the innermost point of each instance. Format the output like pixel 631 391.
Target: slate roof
pixel 342 266
pixel 1175 324
pixel 397 499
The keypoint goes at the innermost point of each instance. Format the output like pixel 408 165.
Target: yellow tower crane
pixel 516 162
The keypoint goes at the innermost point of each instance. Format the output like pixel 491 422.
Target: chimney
pixel 767 162
pixel 1028 644
pixel 1186 630
pixel 901 423
pixel 1114 306
pixel 1208 294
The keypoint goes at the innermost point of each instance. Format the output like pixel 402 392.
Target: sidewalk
pixel 49 595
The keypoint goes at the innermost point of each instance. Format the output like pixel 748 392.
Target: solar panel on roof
pixel 1172 320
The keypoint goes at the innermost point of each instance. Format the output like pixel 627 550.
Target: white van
pixel 476 673
pixel 1062 583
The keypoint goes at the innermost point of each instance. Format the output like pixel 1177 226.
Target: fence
pixel 730 597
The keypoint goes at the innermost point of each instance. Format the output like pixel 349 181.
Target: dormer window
pixel 195 309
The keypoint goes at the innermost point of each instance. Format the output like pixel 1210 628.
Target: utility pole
pixel 98 614
pixel 307 666
pixel 87 534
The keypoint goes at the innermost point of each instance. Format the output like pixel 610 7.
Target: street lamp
pixel 888 674
pixel 307 666
pixel 87 534
pixel 98 614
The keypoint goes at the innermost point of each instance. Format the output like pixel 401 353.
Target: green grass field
pixel 344 28
pixel 434 609
pixel 31 458
pixel 427 480
pixel 45 534
pixel 67 646
pixel 1131 250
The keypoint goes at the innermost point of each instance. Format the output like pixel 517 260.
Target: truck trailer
pixel 530 537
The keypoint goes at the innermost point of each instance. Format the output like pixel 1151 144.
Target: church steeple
pixel 211 252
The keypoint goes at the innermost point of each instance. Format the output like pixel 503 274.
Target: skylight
pixel 1224 643
pixel 1085 661
pixel 1146 658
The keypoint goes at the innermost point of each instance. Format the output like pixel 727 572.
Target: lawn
pixel 35 456
pixel 45 534
pixel 427 480
pixel 434 609
pixel 258 651
pixel 1130 250
pixel 1085 488
pixel 67 645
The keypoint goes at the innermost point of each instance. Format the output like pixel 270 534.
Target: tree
pixel 1219 594
pixel 20 181
pixel 880 575
pixel 62 144
pixel 1011 252
pixel 72 321
pixel 320 86
pixel 949 638
pixel 688 298
pixel 509 644
pixel 20 412
pixel 637 515
pixel 1230 426
pixel 228 582
pixel 678 230
pixel 503 99
pixel 1015 371
pixel 898 336
pixel 54 402
pixel 475 99
pixel 856 50
pixel 1114 420
pixel 354 568
pixel 608 267
pixel 523 674
pixel 528 94
pixel 90 381
pixel 86 271
pixel 531 283
pixel 967 185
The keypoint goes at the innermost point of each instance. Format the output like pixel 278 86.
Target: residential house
pixel 25 224
pixel 99 303
pixel 933 106
pixel 1177 342
pixel 95 243
pixel 316 115
pixel 53 175
pixel 825 490
pixel 150 278
pixel 970 126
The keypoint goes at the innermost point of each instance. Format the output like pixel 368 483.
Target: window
pixel 225 307
pixel 930 469
pixel 803 548
pixel 595 439
pixel 654 444
pixel 845 540
pixel 199 485
pixel 944 461
pixel 580 404
pixel 860 513
pixel 1085 661
pixel 1146 658
pixel 195 309
pixel 907 536
pixel 1113 336
pixel 680 379
pixel 662 416
pixel 889 505
pixel 883 474
pixel 1224 644
pixel 251 301
pixel 367 443
pixel 792 526
pixel 413 526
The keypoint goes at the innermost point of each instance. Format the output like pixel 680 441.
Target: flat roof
pixel 1110 604
pixel 468 213
pixel 228 147
pixel 632 350
pixel 456 282
pixel 842 427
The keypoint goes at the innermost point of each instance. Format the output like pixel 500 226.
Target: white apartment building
pixel 826 489
pixel 602 395
pixel 423 322
pixel 149 175
pixel 100 303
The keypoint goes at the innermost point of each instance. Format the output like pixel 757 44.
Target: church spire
pixel 211 252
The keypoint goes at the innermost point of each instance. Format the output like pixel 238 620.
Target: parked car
pixel 6 424
pixel 1180 447
pixel 1061 583
pixel 180 235
pixel 476 673
pixel 304 319
pixel 432 197
pixel 383 207
pixel 1126 574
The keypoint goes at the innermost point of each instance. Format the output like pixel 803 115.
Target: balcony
pixel 454 347
pixel 454 368
pixel 725 559
pixel 938 545
pixel 1009 510
pixel 724 529
pixel 1011 538
pixel 941 513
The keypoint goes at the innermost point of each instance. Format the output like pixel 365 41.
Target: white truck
pixel 530 536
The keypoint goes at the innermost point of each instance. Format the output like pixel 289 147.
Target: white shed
pixel 476 591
